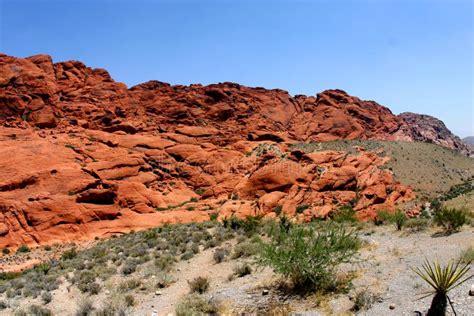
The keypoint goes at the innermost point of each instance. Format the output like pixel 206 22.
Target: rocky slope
pixel 425 128
pixel 84 156
pixel 469 140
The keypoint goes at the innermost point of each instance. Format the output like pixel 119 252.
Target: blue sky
pixel 408 55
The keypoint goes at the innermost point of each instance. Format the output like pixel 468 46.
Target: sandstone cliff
pixel 84 156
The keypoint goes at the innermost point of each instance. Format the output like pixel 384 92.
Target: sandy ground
pixel 384 271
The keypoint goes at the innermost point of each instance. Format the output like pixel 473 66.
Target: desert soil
pixel 383 271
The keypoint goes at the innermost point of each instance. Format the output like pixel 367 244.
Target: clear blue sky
pixel 408 55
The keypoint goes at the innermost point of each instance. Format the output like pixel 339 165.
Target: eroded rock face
pixel 83 156
pixel 426 128
pixel 62 186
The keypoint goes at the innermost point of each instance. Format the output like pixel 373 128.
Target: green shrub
pixel 399 218
pixel 23 249
pixel 245 249
pixel 251 224
pixel 199 285
pixel 278 209
pixel 6 251
pixel 451 219
pixel 382 217
pixel 70 254
pixel 200 191
pixel 442 279
pixel 43 267
pixel 308 254
pixel 213 216
pixel 415 225
pixel 344 214
pixel 302 207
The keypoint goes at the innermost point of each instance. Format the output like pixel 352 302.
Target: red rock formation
pixel 83 156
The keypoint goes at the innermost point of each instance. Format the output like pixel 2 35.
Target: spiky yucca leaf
pixel 443 279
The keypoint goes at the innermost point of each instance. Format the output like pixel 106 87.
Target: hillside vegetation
pixel 430 169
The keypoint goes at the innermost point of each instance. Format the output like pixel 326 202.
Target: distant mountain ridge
pixel 429 129
pixel 469 140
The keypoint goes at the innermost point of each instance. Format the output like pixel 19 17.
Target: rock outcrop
pixel 83 156
pixel 428 129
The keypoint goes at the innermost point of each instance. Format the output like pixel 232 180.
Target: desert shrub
pixel 84 307
pixel 195 248
pixel 220 254
pixel 129 300
pixel 415 225
pixel 245 249
pixel 129 267
pixel 129 284
pixel 251 224
pixel 195 304
pixel 85 282
pixel 344 214
pixel 165 262
pixel 70 254
pixel 164 280
pixel 9 275
pixel 3 305
pixel 187 255
pixel 382 217
pixel 199 285
pixel 278 209
pixel 232 222
pixel 451 219
pixel 37 310
pixel 112 309
pixel 93 288
pixel 309 254
pixel 399 218
pixel 23 249
pixel 302 207
pixel 213 216
pixel 242 270
pixel 6 251
pixel 363 300
pixel 467 255
pixel 43 267
pixel 46 297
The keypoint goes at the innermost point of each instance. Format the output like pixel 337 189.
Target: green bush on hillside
pixel 451 219
pixel 309 254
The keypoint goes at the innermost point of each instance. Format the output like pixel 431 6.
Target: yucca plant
pixel 442 280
